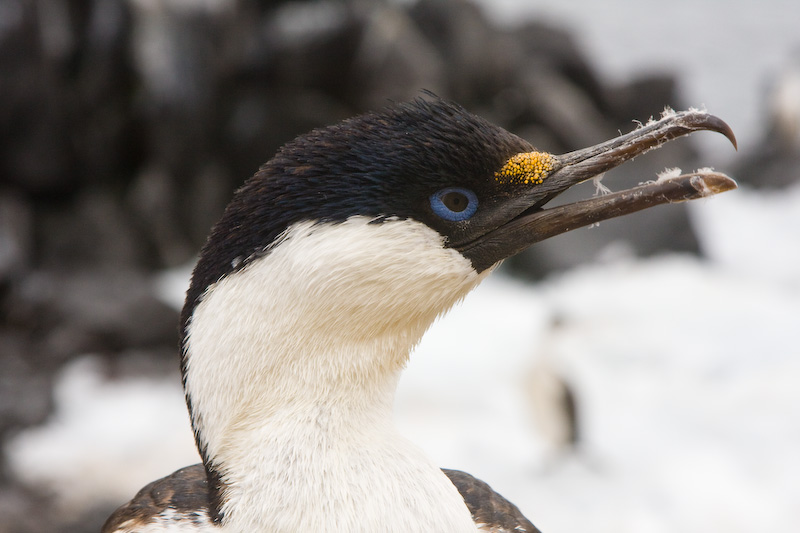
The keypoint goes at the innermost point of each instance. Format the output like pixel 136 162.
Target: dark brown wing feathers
pixel 489 510
pixel 185 492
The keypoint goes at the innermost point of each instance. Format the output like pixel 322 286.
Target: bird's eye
pixel 454 203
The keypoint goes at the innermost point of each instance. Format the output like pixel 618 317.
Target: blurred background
pixel 640 376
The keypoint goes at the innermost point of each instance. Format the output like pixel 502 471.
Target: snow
pixel 755 234
pixel 685 373
pixel 106 439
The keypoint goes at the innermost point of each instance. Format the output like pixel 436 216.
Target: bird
pixel 325 270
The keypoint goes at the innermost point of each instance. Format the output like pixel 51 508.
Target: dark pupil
pixel 455 201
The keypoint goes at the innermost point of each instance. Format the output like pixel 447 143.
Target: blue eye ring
pixel 454 203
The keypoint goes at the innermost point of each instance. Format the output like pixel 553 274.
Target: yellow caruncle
pixel 527 168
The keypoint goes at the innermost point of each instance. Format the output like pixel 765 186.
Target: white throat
pixel 292 365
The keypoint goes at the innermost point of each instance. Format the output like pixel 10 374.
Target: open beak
pixel 534 223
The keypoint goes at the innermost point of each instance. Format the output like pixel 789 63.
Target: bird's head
pixel 364 198
pixel 370 228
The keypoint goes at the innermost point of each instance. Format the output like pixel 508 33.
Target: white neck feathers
pixel 292 364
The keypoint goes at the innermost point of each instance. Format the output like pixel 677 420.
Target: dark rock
pixel 16 237
pixel 394 59
pixel 25 386
pixel 642 98
pixel 67 95
pixel 90 231
pixel 97 311
pixel 473 59
pixel 553 48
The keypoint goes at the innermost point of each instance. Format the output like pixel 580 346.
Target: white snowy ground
pixel 687 375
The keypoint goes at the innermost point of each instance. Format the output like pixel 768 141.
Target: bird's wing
pixel 180 498
pixel 490 511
